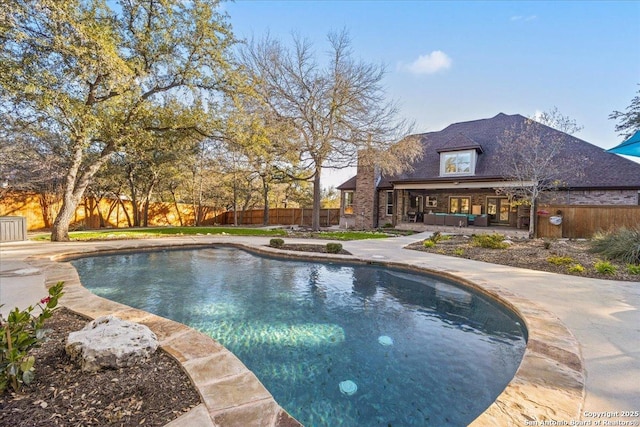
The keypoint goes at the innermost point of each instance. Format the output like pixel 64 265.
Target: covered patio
pixel 449 205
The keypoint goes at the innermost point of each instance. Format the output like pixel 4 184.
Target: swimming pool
pixel 336 344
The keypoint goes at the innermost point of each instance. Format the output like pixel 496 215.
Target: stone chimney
pixel 365 204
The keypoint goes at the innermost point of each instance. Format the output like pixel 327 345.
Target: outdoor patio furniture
pixel 481 221
pixel 430 219
pixel 457 220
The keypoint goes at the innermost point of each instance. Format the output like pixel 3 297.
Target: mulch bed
pixel 531 254
pixel 150 394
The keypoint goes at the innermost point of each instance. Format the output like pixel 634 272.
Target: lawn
pixel 152 232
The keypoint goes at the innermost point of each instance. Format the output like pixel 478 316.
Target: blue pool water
pixel 336 344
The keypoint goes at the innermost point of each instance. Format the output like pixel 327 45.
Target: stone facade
pixel 366 203
pixel 364 198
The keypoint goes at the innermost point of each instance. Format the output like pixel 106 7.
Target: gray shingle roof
pixel 602 169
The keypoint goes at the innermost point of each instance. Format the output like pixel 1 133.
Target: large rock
pixel 109 342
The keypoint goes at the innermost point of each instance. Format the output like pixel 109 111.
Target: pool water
pixel 335 344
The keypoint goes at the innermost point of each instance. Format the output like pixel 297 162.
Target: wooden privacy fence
pixel 281 216
pixel 39 210
pixel 584 221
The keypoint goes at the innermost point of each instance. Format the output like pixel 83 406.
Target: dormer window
pixel 458 163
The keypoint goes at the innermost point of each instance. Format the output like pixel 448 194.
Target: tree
pixel 104 78
pixel 532 155
pixel 265 142
pixel 337 109
pixel 629 120
pixel 556 120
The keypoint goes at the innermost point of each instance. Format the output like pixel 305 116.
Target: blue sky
pixel 453 61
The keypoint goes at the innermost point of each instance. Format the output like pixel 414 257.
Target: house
pixel 462 177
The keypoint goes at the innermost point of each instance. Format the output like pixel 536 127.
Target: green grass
pixel 142 233
pixel 150 232
pixel 350 235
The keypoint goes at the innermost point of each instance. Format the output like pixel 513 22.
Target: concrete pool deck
pixel 582 361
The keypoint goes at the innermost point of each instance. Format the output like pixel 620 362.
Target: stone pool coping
pixel 549 384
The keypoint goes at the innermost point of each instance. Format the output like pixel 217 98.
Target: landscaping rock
pixel 109 342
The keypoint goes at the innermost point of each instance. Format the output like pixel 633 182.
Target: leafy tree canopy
pixel 105 76
pixel 629 120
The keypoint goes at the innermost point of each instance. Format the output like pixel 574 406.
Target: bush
pixel 458 251
pixel 605 267
pixel 489 241
pixel 622 245
pixel 334 248
pixel 21 332
pixel 633 268
pixel 428 243
pixel 435 237
pixel 576 268
pixel 559 260
pixel 387 225
pixel 276 243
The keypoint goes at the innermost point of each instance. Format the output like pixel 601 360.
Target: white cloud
pixel 523 18
pixel 429 63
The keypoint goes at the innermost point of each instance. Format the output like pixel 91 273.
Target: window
pixel 389 203
pixel 460 205
pixel 347 202
pixel 431 201
pixel 458 163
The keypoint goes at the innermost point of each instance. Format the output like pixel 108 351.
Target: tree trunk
pixel 315 217
pixel 175 204
pixel 235 202
pixel 134 198
pixel 532 220
pixel 147 199
pixel 74 188
pixel 265 196
pixel 60 230
pixel 126 212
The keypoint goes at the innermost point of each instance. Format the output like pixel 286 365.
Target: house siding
pixel 592 197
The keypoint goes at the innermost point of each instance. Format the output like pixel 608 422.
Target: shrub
pixel 387 225
pixel 21 332
pixel 605 267
pixel 489 241
pixel 334 248
pixel 576 268
pixel 622 245
pixel 428 243
pixel 458 251
pixel 633 268
pixel 435 237
pixel 559 260
pixel 276 243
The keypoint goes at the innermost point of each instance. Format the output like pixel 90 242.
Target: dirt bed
pixel 532 254
pixel 150 394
